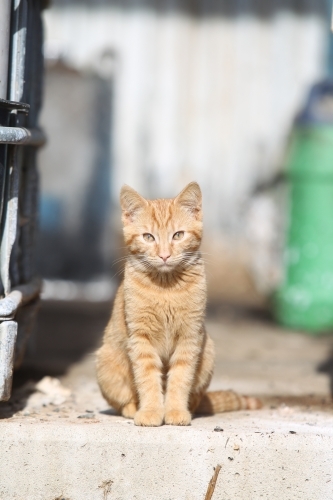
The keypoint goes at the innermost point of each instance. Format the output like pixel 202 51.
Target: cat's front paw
pixel 129 410
pixel 148 418
pixel 177 417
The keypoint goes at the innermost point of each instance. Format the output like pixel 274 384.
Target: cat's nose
pixel 164 256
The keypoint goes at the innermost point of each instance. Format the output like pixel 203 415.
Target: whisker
pixel 118 273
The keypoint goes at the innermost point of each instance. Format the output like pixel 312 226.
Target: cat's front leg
pixel 147 369
pixel 180 380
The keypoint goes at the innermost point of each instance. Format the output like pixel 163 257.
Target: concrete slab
pixel 69 445
pixel 262 456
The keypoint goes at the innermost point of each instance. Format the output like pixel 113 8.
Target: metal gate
pixel 21 71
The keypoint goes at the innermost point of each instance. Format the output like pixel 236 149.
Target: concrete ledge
pixel 107 457
pixel 59 440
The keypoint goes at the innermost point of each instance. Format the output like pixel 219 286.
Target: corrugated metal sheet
pixel 200 94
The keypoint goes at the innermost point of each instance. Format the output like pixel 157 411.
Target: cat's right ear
pixel 131 204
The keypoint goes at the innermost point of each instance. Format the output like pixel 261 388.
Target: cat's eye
pixel 178 235
pixel 148 237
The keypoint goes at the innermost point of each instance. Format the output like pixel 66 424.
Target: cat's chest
pixel 170 322
pixel 175 309
pixel 173 315
pixel 166 317
pixel 165 313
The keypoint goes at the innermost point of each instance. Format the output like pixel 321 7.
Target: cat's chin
pixel 165 268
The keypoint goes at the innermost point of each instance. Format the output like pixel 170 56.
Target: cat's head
pixel 163 234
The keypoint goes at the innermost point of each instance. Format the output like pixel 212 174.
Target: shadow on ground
pixel 65 332
pixel 327 367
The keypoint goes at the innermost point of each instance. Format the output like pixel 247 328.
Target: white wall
pixel 196 98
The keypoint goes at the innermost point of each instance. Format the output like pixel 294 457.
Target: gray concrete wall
pixel 205 91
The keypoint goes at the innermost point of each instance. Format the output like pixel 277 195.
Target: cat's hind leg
pixel 203 374
pixel 115 379
pixel 209 403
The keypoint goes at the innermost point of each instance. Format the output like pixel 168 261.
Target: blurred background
pixel 155 94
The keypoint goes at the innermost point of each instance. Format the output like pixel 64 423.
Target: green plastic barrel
pixel 305 297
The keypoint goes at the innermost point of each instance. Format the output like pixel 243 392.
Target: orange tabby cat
pixel 156 360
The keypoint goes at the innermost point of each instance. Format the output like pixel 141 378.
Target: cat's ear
pixel 191 199
pixel 131 204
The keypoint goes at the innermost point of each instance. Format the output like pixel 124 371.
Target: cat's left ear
pixel 191 199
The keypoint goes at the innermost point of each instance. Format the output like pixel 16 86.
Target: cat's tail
pixel 221 401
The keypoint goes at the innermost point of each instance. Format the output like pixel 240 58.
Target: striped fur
pixel 156 360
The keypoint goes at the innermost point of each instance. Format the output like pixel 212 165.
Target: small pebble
pixel 218 429
pixel 87 415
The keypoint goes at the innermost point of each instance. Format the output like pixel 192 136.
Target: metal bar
pixel 29 207
pixel 25 317
pixel 10 218
pixel 21 135
pixel 22 107
pixel 14 268
pixel 16 86
pixel 18 50
pixel 8 334
pixel 9 305
pixel 16 24
pixel 30 181
pixel 4 46
pixel 20 296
